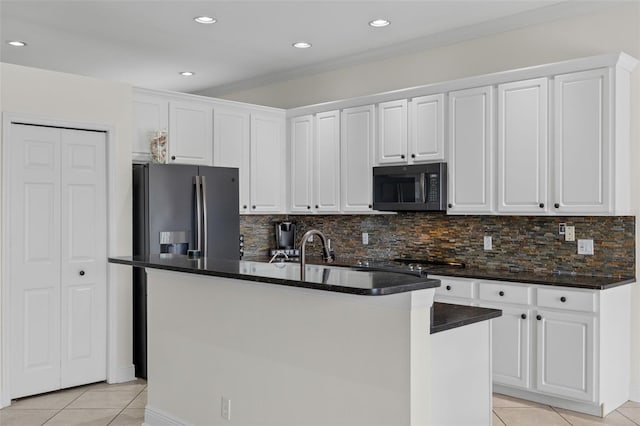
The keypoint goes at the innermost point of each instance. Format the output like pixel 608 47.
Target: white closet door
pixel 83 258
pixel 54 228
pixel 34 269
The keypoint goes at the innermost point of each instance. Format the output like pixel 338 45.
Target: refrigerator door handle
pixel 198 214
pixel 205 233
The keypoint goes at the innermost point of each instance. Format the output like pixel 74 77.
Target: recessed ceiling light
pixel 378 23
pixel 301 45
pixel 16 43
pixel 187 73
pixel 205 20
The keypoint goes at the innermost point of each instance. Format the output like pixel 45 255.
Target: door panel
pixel 34 259
pixel 83 258
pixel 57 230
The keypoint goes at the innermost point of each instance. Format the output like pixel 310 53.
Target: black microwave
pixel 420 187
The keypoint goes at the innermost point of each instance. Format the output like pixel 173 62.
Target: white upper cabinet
pixel 268 163
pixel 301 163
pixel 326 164
pixel 150 115
pixel 470 150
pixel 411 131
pixel 392 132
pixel 426 129
pixel 231 146
pixel 356 145
pixel 582 148
pixel 315 163
pixel 190 133
pixel 522 147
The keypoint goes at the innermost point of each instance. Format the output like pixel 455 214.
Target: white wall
pixel 67 97
pixel 611 30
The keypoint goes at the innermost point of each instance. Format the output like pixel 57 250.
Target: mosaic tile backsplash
pixel 530 243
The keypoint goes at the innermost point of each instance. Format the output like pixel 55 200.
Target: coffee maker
pixel 285 233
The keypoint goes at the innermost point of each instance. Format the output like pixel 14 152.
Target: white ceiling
pixel 147 43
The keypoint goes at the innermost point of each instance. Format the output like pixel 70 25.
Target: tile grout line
pixel 499 418
pixel 560 414
pixel 126 406
pixel 626 417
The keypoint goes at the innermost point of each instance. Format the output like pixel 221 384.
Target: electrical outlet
pixel 570 233
pixel 365 238
pixel 225 410
pixel 487 242
pixel 561 228
pixel 585 247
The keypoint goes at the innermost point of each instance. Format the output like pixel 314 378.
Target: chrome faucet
pixel 325 250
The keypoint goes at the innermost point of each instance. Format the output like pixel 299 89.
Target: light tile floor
pixel 98 404
pixel 508 411
pixel 123 405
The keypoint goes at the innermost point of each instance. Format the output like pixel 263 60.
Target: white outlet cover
pixel 488 243
pixel 570 233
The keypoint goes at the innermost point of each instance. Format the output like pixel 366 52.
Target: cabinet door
pixel 426 125
pixel 268 164
pixel 511 345
pixel 190 133
pixel 326 163
pixel 150 114
pixel 356 145
pixel 231 130
pixel 522 147
pixel 582 143
pixel 392 132
pixel 301 161
pixel 566 354
pixel 471 148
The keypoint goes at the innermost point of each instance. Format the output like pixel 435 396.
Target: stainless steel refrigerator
pixel 177 208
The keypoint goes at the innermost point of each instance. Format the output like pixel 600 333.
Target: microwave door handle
pixel 398 193
pixel 198 214
pixel 423 192
pixel 205 233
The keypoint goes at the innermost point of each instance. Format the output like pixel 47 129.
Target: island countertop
pixel 318 277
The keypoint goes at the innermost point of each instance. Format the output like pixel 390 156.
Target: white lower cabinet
pixel 511 353
pixel 562 346
pixel 565 352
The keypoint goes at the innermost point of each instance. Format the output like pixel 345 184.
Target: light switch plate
pixel 585 247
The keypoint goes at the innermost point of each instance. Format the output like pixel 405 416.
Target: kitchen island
pixel 248 341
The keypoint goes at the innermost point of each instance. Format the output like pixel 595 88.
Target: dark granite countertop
pixel 564 279
pixel 447 316
pixel 592 282
pixel 318 277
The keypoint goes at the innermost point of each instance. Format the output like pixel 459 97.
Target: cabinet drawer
pixel 455 288
pixel 566 299
pixel 505 293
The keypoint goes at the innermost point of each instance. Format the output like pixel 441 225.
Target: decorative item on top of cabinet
pixel 357 136
pixel 471 151
pixel 158 147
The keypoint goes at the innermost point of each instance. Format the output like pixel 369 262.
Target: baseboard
pixel 120 375
pixel 634 392
pixel 155 417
